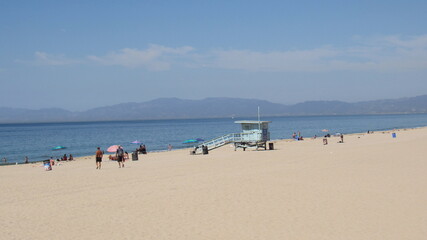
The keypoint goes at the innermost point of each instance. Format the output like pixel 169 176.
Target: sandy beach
pixel 372 186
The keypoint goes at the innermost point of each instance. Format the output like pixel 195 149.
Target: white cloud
pixel 390 53
pixel 387 53
pixel 42 58
pixel 304 60
pixel 408 42
pixel 155 58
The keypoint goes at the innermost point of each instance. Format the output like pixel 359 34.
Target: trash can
pixel 134 156
pixel 271 146
pixel 47 165
pixel 393 135
pixel 205 150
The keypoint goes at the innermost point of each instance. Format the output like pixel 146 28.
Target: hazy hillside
pixel 169 108
pixel 179 108
pixel 18 115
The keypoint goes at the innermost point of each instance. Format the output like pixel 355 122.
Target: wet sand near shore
pixel 372 186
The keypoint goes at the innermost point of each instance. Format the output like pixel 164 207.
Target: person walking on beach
pixel 26 159
pixel 98 157
pixel 119 156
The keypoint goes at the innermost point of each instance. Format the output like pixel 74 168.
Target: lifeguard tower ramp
pixel 254 134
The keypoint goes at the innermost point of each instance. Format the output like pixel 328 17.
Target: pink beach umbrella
pixel 113 148
pixel 325 130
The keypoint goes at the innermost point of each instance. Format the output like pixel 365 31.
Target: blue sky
pixel 83 54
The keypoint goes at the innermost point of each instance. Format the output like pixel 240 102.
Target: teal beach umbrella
pixel 190 141
pixel 58 148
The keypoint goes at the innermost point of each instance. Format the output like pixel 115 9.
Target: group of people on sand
pixel 58 160
pixel 114 157
pixel 65 158
pixel 325 138
pixel 298 136
pixel 51 160
pixel 142 149
pixel 120 157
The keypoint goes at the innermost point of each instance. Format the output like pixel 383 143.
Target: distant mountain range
pixel 174 108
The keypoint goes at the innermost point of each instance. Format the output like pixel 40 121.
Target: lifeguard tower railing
pixel 232 138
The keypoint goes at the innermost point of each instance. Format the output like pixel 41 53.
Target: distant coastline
pixel 208 118
pixel 212 108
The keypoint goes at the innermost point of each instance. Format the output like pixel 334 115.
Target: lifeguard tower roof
pixel 251 121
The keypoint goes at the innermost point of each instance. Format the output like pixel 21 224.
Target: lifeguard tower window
pixel 251 126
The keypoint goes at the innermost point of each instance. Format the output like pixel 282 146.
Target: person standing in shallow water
pixel 98 158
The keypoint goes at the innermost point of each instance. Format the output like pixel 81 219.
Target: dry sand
pixel 371 187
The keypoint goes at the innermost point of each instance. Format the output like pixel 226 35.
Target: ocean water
pixel 82 138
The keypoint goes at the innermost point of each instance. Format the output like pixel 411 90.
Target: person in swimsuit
pixel 98 158
pixel 120 154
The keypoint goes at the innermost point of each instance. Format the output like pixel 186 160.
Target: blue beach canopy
pixel 190 141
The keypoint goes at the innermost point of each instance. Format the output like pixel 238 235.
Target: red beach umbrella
pixel 113 148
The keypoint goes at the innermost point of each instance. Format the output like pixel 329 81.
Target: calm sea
pixel 81 139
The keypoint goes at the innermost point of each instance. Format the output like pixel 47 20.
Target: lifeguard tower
pixel 254 134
